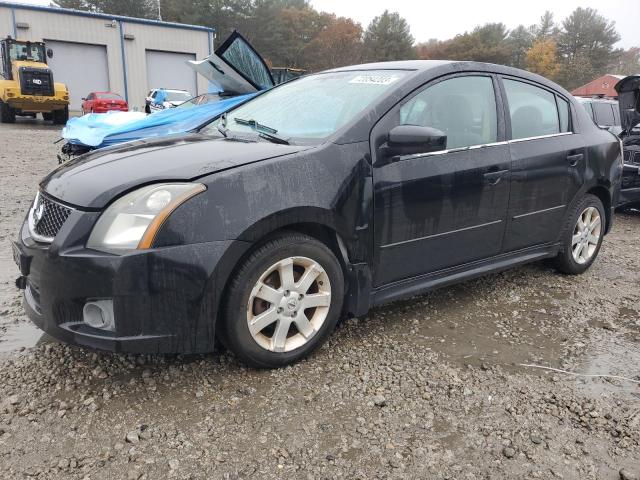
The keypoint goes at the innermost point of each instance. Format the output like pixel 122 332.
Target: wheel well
pixel 604 196
pixel 322 233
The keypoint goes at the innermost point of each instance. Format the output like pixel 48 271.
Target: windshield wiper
pixel 222 125
pixel 255 125
pixel 273 138
pixel 264 131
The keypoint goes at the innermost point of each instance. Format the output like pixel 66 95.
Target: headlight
pixel 131 222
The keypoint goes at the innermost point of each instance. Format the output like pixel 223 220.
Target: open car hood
pixel 629 102
pixel 235 67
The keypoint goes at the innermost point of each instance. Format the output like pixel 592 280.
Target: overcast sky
pixel 443 19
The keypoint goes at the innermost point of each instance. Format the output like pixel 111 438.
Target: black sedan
pixel 317 199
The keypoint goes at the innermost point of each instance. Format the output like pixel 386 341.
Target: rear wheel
pixel 47 116
pixel 147 109
pixel 7 114
pixel 582 237
pixel 284 301
pixel 60 117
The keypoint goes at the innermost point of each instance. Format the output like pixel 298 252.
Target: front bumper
pixel 165 300
pixel 37 103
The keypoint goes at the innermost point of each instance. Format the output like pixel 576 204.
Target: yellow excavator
pixel 26 83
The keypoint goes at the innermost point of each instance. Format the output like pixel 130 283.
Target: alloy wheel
pixel 288 304
pixel 586 235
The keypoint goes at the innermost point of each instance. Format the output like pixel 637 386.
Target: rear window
pixel 533 110
pixel 109 96
pixel 604 114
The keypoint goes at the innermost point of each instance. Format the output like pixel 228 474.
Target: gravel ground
pixel 431 387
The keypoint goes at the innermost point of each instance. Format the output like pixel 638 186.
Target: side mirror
pixel 414 139
pixel 49 53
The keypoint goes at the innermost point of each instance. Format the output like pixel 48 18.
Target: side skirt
pixel 424 283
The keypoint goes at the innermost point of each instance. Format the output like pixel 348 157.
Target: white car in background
pixel 172 98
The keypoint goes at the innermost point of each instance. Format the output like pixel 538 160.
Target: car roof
pixel 395 65
pixel 596 99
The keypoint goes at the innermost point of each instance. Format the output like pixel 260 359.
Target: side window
pixel 532 110
pixel 604 114
pixel 589 108
pixel 616 114
pixel 463 107
pixel 154 94
pixel 564 114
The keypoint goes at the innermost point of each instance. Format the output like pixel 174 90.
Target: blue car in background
pixel 236 72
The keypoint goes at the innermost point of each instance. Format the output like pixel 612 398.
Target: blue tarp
pixel 99 130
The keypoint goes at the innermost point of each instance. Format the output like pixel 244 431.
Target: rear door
pixel 547 163
pixel 235 67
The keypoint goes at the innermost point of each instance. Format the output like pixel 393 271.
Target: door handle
pixel 493 178
pixel 574 159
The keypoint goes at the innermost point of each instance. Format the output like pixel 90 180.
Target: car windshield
pixel 109 96
pixel 33 52
pixel 177 96
pixel 312 108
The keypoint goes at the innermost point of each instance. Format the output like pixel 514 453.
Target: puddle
pixel 19 336
pixel 612 355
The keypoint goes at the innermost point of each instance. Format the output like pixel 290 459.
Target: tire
pixel 47 116
pixel 7 114
pixel 60 117
pixel 244 302
pixel 567 261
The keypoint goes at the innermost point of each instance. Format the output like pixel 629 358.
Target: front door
pixel 446 208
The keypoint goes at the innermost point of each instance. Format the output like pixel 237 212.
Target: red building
pixel 602 86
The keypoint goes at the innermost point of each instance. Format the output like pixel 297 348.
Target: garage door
pixel 82 67
pixel 170 70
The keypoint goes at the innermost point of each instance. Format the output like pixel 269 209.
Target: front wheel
pixel 283 302
pixel 60 117
pixel 582 237
pixel 7 114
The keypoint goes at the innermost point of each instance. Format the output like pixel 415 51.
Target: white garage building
pixel 101 52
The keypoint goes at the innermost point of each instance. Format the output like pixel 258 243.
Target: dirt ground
pixel 431 387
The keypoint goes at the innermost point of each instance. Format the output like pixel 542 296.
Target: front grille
pixel 36 81
pixel 46 218
pixel 632 156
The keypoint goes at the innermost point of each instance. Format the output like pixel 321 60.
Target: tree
pixel 138 8
pixel 542 58
pixel 337 45
pixel 546 28
pixel 586 44
pixel 519 41
pixel 388 37
pixel 628 63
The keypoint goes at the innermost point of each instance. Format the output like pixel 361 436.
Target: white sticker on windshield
pixel 375 79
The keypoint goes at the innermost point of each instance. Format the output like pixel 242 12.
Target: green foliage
pixel 586 44
pixel 129 8
pixel 388 37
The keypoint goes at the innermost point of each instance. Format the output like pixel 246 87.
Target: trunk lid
pixel 629 102
pixel 235 67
